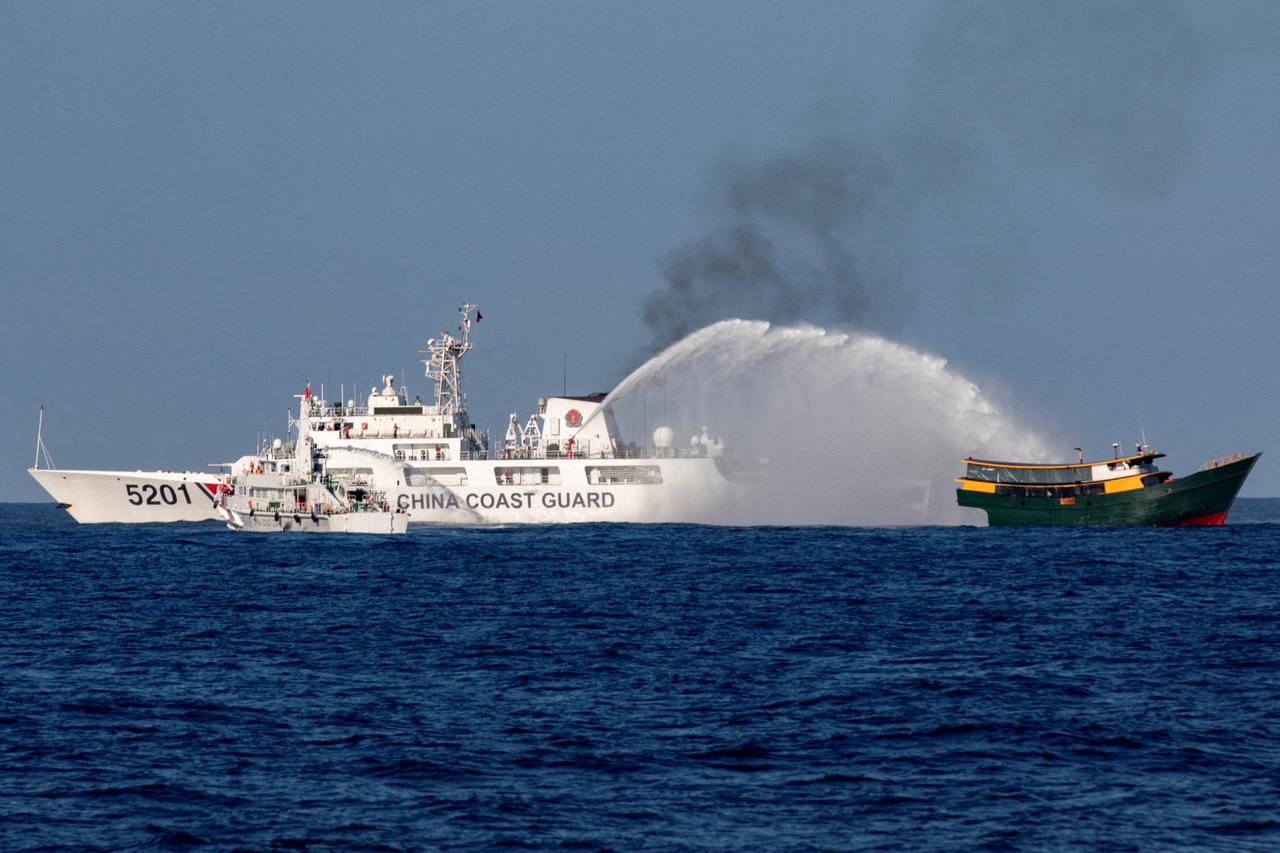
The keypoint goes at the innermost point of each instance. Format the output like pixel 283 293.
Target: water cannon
pixel 702 445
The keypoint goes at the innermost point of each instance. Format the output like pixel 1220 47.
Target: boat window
pixel 397 410
pixel 1029 476
pixel 1028 491
pixel 527 475
pixel 648 475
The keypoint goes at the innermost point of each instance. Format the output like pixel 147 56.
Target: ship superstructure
pixel 567 462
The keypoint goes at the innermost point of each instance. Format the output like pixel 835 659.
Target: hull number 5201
pixel 153 496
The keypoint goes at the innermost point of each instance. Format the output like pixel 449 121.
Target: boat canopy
pixel 985 471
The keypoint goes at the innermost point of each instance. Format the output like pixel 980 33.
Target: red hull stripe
pixel 211 489
pixel 1213 519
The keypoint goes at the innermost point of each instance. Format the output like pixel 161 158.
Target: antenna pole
pixel 442 368
pixel 465 326
pixel 39 439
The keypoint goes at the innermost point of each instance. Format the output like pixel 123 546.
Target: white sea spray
pixel 852 428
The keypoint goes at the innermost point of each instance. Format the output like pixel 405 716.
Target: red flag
pixel 479 316
pixel 308 394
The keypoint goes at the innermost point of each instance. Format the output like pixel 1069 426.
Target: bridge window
pixel 527 475
pixel 640 475
pixel 443 475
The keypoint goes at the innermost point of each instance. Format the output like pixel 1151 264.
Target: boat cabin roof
pixel 1137 459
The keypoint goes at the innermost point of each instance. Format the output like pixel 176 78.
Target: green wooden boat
pixel 1129 490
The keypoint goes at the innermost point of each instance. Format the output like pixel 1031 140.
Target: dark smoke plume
pixel 1000 90
pixel 791 248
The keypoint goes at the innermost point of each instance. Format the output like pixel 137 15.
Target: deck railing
pixel 1221 461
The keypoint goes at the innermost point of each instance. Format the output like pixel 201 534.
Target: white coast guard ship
pixel 277 493
pixel 566 463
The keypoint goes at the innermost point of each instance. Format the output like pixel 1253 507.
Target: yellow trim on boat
pixel 1122 484
pixel 1119 484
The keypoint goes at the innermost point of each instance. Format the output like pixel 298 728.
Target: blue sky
pixel 206 204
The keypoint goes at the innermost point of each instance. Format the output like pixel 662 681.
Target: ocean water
pixel 629 687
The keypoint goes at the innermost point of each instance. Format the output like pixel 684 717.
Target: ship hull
pixel 1201 499
pixel 471 492
pixel 352 522
pixel 131 497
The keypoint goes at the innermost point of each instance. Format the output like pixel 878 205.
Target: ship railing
pixel 626 452
pixel 1221 461
pixel 336 411
pixel 398 433
pixel 373 502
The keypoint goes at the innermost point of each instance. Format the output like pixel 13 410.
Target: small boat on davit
pixel 1128 490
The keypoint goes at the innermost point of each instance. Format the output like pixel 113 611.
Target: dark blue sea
pixel 631 687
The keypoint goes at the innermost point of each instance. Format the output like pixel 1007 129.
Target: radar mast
pixel 443 370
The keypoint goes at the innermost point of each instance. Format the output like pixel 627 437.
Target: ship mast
pixel 41 450
pixel 443 370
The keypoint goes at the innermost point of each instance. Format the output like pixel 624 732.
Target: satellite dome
pixel 664 437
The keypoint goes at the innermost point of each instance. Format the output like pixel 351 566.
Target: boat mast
pixel 41 450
